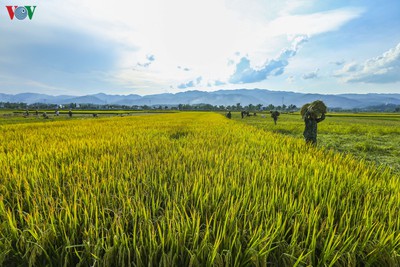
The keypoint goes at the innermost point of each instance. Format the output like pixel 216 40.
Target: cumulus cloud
pixel 186 85
pixel 147 63
pixel 244 73
pixel 381 69
pixel 311 75
pixel 191 83
pixel 150 57
pixel 350 67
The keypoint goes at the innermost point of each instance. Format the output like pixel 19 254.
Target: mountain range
pixel 220 97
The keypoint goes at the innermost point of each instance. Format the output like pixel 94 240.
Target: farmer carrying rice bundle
pixel 312 114
pixel 275 114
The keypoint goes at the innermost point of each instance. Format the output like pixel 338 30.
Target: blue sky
pixel 141 47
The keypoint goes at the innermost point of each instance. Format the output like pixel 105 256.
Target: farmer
pixel 70 113
pixel 310 131
pixel 274 115
pixel 229 115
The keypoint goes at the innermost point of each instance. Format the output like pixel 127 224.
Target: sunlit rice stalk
pixel 188 189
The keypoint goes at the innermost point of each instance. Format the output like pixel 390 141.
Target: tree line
pixel 199 107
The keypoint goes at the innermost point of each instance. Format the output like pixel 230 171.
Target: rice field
pixel 373 137
pixel 188 189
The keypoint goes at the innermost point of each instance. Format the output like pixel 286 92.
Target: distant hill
pixel 220 97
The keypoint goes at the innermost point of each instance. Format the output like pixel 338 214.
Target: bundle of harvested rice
pixel 275 113
pixel 304 109
pixel 317 107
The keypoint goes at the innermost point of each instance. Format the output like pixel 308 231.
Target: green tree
pixel 270 107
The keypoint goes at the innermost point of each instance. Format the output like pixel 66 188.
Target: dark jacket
pixel 310 130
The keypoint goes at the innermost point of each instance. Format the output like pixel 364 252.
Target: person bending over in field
pixel 229 115
pixel 311 120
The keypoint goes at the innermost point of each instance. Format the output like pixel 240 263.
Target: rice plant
pixel 188 189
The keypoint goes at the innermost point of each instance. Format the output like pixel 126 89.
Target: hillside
pixel 220 97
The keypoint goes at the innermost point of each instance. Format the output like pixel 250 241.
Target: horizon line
pixel 197 90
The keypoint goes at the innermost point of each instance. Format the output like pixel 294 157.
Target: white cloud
pixel 290 79
pixel 311 75
pixel 291 6
pixel 192 83
pixel 191 33
pixel 311 24
pixel 148 61
pixel 202 35
pixel 244 73
pixel 381 69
